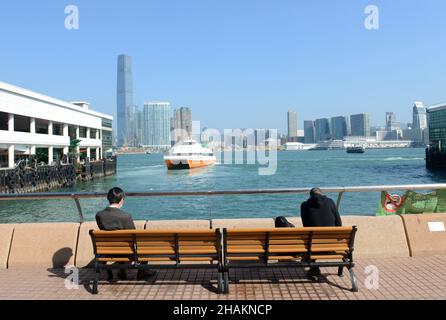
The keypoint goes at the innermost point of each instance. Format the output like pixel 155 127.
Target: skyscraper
pixel 181 119
pixel 292 124
pixel 157 125
pixel 360 125
pixel 309 134
pixel 124 99
pixel 419 116
pixel 338 127
pixel 391 123
pixel 322 129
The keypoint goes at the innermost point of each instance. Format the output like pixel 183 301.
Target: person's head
pixel 116 197
pixel 314 192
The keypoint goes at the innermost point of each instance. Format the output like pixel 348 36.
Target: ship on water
pixel 189 154
pixel 355 149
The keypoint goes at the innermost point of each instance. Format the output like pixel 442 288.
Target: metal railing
pixel 340 190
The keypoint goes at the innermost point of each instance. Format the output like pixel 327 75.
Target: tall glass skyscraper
pixel 322 129
pixel 157 125
pixel 124 99
pixel 309 134
pixel 339 127
pixel 419 116
pixel 292 124
pixel 182 119
pixel 360 125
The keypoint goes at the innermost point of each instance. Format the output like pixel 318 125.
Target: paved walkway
pixel 399 278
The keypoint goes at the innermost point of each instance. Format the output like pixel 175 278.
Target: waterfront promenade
pixel 396 257
pixel 400 278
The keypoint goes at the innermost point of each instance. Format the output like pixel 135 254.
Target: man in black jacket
pixel 113 218
pixel 319 211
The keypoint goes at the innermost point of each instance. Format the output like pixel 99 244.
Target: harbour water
pixel 143 172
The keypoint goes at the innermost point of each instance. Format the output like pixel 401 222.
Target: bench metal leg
pixel 353 279
pixel 341 271
pixel 97 274
pixel 226 282
pixel 220 284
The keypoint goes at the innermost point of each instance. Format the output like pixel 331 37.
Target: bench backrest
pixel 230 244
pixel 288 243
pixel 157 245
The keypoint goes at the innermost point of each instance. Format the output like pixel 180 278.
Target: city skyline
pixel 312 71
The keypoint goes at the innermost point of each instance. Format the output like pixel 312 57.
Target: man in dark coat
pixel 319 211
pixel 113 218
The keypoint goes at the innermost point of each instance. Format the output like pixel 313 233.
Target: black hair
pixel 314 192
pixel 115 195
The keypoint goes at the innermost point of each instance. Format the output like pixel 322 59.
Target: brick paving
pixel 399 278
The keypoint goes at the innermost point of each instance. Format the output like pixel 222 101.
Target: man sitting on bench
pixel 319 211
pixel 113 218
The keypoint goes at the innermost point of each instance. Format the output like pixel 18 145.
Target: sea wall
pixel 24 179
pixel 48 245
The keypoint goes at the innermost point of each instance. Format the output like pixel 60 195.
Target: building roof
pixel 437 107
pixel 38 96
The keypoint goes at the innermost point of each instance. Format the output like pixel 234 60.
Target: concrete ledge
pixel 84 251
pixel 243 223
pixel 49 245
pixel 378 236
pixel 422 240
pixel 177 224
pixel 6 231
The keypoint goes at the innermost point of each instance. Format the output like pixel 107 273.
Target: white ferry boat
pixel 189 154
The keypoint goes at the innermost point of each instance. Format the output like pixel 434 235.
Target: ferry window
pixel 22 124
pixel 4 121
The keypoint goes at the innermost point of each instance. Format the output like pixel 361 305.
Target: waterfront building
pixel 124 99
pixel 360 124
pixel 384 135
pixel 419 116
pixel 182 124
pixel 292 125
pixel 35 124
pixel 322 129
pixel 436 151
pixel 309 131
pixel 261 135
pixel 157 125
pixel 339 127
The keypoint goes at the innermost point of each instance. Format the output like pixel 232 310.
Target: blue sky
pixel 235 63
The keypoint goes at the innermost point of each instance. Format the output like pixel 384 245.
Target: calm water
pixel 294 169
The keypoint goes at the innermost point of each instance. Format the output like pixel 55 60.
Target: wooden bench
pixel 224 249
pixel 289 247
pixel 136 249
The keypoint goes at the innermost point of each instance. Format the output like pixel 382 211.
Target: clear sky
pixel 235 63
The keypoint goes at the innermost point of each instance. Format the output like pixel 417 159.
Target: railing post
pixel 338 202
pixel 79 209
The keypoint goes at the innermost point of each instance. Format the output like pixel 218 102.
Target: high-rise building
pixel 157 125
pixel 391 123
pixel 360 125
pixel 322 129
pixel 182 124
pixel 309 133
pixel 124 99
pixel 419 116
pixel 338 127
pixel 292 124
